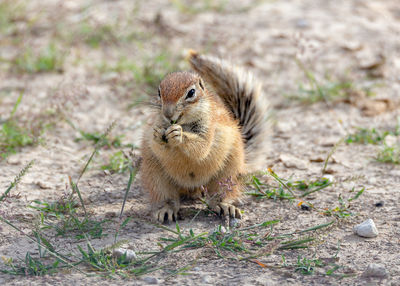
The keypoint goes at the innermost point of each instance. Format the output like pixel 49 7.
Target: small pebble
pixel 379 204
pixel 43 185
pixel 234 222
pixel 329 177
pixel 130 254
pixel 13 160
pixel 291 161
pixel 375 270
pixel 150 280
pixel 206 279
pixel 390 140
pixel 366 229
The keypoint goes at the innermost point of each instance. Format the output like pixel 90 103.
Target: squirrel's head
pixel 180 94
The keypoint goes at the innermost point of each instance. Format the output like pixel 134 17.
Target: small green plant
pixel 265 191
pixel 118 163
pixel 286 188
pixel 16 180
pixel 98 139
pixel 55 209
pixel 386 153
pixel 62 217
pixel 148 71
pixel 196 7
pixel 311 186
pixel 240 244
pixel 12 135
pixel 370 136
pixel 94 36
pixel 326 90
pixel 343 209
pixel 50 59
pixel 30 266
pixel 307 266
pixel 389 154
pixel 10 12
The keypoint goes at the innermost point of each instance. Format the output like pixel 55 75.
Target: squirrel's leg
pixel 164 195
pixel 223 194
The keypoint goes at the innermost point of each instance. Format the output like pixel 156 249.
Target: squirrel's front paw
pixel 159 134
pixel 167 213
pixel 174 134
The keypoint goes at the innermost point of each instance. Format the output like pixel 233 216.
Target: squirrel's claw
pixel 166 213
pixel 159 134
pixel 228 210
pixel 174 134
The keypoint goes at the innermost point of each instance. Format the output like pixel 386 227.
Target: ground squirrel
pixel 203 141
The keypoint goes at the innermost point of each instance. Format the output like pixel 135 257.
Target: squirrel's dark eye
pixel 191 93
pixel 159 93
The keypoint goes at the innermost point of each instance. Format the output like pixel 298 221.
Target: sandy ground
pixel 356 40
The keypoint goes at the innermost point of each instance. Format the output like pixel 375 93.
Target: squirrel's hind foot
pixel 226 209
pixel 166 213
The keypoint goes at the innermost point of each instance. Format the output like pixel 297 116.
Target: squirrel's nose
pixel 168 111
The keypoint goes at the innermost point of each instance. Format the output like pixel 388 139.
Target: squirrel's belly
pixel 191 174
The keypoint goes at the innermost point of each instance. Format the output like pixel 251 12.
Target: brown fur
pixel 192 145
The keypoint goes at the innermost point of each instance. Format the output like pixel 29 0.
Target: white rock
pixel 372 180
pixel 43 185
pixel 13 160
pixel 390 140
pixel 330 178
pixel 366 229
pixel 130 254
pixel 375 270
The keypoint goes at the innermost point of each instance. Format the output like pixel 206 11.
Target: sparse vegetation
pixel 12 135
pixel 149 71
pixel 389 154
pixel 192 7
pixel 94 35
pixel 49 59
pixel 98 139
pixel 370 136
pixel 118 163
pixel 343 209
pixel 326 90
pixel 10 12
pixel 386 153
pixel 286 188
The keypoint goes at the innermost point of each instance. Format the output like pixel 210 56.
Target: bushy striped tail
pixel 243 95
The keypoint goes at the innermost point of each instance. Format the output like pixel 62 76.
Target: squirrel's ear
pixel 201 84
